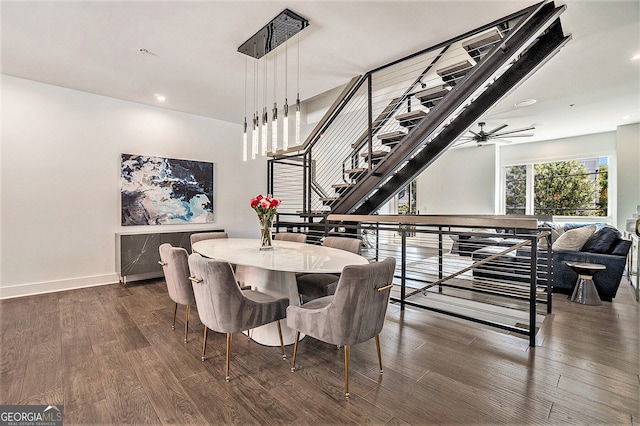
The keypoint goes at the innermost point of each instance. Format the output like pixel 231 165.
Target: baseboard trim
pixel 31 289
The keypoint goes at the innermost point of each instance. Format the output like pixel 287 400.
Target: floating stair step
pixel 391 138
pixel 410 119
pixel 433 95
pixel 327 201
pixel 480 45
pixel 341 188
pixel 376 156
pixel 455 72
pixel 356 173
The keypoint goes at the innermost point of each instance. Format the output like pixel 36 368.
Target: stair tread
pixel 328 199
pixel 411 115
pixel 432 92
pixel 431 96
pixel 392 136
pixel 410 119
pixel 341 185
pixel 356 170
pixel 455 68
pixel 376 154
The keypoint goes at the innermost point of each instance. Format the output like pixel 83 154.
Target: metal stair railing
pixel 364 161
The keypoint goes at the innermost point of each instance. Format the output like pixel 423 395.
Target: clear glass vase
pixel 265 233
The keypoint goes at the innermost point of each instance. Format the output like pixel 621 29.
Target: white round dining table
pixel 274 271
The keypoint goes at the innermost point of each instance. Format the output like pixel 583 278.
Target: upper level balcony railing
pixel 494 270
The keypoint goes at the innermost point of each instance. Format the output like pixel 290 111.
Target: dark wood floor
pixel 109 355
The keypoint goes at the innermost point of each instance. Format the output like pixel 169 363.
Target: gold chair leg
pixel 379 356
pixel 204 342
pixel 295 352
pixel 175 310
pixel 186 323
pixel 284 356
pixel 346 371
pixel 228 354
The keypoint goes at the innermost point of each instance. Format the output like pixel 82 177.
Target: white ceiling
pixel 94 46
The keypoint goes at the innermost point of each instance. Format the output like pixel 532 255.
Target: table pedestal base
pixel 585 291
pixel 277 284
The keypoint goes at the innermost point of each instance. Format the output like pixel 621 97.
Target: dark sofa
pixel 605 246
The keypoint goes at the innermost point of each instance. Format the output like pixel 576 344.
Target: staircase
pixel 353 163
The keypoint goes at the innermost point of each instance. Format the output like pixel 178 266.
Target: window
pixel 407 199
pixel 562 188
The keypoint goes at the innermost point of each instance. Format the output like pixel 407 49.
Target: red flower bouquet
pixel 266 208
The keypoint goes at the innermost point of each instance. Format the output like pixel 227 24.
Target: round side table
pixel 585 291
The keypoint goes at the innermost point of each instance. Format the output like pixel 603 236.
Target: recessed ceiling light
pixel 525 102
pixel 159 97
pixel 625 117
pixel 636 57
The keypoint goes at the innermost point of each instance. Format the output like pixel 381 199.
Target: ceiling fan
pixel 493 136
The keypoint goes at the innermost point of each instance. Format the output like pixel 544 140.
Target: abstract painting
pixel 164 191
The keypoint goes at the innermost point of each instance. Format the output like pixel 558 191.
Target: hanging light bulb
pixel 244 133
pixel 297 124
pixel 298 120
pixel 265 119
pixel 244 141
pixel 265 131
pixel 254 138
pixel 285 126
pixel 274 112
pixel 285 118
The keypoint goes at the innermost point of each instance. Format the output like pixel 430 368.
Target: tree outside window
pixel 563 188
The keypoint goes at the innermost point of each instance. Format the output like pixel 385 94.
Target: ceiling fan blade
pixel 524 129
pixel 523 135
pixel 497 129
pixel 501 141
pixel 474 133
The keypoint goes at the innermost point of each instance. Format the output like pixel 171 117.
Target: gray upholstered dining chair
pixel 291 236
pixel 225 308
pixel 312 286
pixel 175 265
pixel 199 236
pixel 353 315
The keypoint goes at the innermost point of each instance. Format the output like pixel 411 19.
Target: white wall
pixel 461 181
pixel 60 171
pixel 464 181
pixel 628 147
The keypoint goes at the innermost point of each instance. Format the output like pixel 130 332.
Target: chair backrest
pixel 176 273
pixel 222 306
pixel 291 236
pixel 343 243
pixel 357 311
pixel 207 236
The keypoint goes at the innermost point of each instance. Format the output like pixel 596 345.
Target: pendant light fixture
pixel 274 112
pixel 285 119
pixel 244 133
pixel 256 131
pixel 298 94
pixel 275 33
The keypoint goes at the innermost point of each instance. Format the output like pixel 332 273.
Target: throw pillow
pixel 574 239
pixel 602 240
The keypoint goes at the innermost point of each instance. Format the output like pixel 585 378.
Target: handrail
pixel 499 221
pixel 351 85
